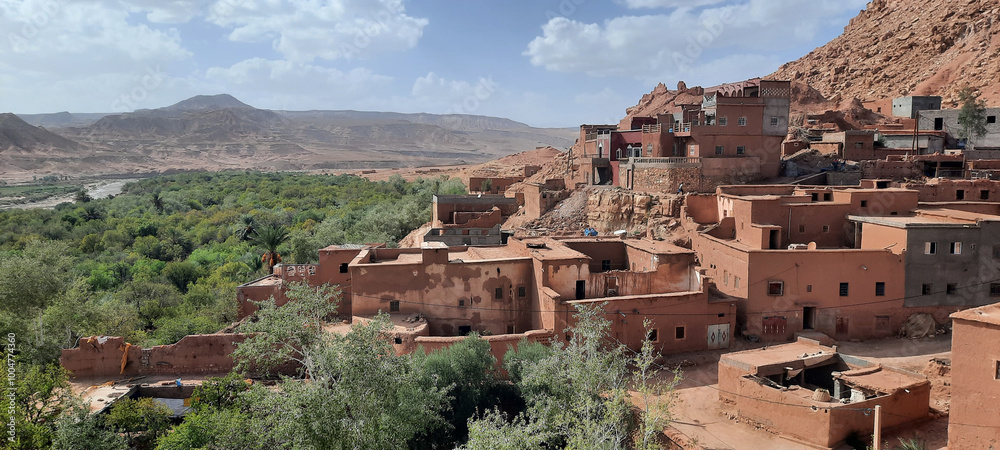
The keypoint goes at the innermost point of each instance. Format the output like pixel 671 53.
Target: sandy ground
pixel 98 189
pixel 708 423
pixel 99 392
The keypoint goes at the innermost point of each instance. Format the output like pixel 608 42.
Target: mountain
pixel 908 47
pixel 18 135
pixel 62 119
pixel 216 132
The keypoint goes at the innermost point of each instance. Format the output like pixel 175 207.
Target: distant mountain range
pixel 221 132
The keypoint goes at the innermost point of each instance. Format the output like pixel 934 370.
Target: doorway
pixel 808 317
pixel 775 240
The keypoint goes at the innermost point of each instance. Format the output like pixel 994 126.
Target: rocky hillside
pixel 908 47
pixel 18 135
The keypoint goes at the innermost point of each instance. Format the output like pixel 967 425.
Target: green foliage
pixel 39 398
pixel 972 116
pixel 80 429
pixel 182 273
pixel 141 420
pixel 913 443
pixel 219 392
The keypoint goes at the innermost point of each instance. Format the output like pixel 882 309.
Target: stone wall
pixel 664 180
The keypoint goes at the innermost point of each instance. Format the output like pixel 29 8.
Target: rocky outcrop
pixel 908 47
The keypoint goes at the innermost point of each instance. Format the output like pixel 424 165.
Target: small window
pixel 926 289
pixel 725 277
pixel 720 150
pixel 938 123
pixel 775 287
pixel 809 288
pixel 930 248
pixel 461 302
pixel 826 228
pixel 774 121
pixel 653 335
pixel 498 293
pixel 394 306
pixel 815 196
pixel 741 150
pixel 994 289
pixel 691 149
pixel 844 289
pixel 880 289
pixel 864 203
pixel 827 196
pixel 951 289
pixel 736 282
pixel 312 270
pixel 956 248
pixel 343 267
pixel 960 194
pixel 397 340
pixel 522 291
pixel 984 194
pixel 991 119
pixel 742 121
pixel 723 121
pixel 679 333
pixel 802 228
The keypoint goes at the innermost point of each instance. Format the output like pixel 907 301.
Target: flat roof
pixel 779 354
pixel 989 314
pixel 270 280
pixel 909 221
pixel 880 379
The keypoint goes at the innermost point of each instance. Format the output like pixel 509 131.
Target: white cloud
pixel 304 30
pixel 453 96
pixel 663 46
pixel 638 4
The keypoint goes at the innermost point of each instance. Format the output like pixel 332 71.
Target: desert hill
pixel 908 47
pixel 18 135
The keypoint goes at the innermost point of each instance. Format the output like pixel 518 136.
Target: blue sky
pixel 542 62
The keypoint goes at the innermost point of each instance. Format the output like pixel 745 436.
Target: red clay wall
pixel 194 354
pixel 975 390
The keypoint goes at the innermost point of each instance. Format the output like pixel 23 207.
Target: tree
pixel 40 396
pixel 79 429
pixel 142 420
pixel 157 201
pixel 248 228
pixel 287 333
pixel 270 237
pixel 972 116
pixel 82 196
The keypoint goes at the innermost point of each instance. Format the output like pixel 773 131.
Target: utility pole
pixel 877 444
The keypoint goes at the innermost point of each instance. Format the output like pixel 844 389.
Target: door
pixel 581 289
pixel 775 240
pixel 808 317
pixel 842 328
pixel 774 325
pixel 718 336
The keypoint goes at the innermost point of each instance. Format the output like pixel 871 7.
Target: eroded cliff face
pixel 908 47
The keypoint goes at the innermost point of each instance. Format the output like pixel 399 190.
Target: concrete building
pixel 909 106
pixel 975 374
pixel 835 260
pixel 946 121
pixel 807 391
pixel 531 286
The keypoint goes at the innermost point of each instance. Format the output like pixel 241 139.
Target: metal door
pixel 718 336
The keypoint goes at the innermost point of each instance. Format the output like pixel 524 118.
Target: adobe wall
pixel 946 190
pixel 194 354
pixel 449 294
pixel 891 169
pixel 702 209
pixel 664 180
pixel 827 148
pixel 498 185
pixel 247 294
pixel 975 350
pixel 444 206
pixel 499 344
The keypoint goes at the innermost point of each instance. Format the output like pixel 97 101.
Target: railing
pixel 651 128
pixel 300 270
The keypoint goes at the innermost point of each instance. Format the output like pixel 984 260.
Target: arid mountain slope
pixel 908 47
pixel 18 135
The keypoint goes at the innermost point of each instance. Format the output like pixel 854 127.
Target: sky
pixel 547 63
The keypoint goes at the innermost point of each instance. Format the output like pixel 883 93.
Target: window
pixel 397 340
pixel 723 121
pixel 926 289
pixel 956 248
pixel 815 196
pixel 844 289
pixel 694 122
pixel 775 287
pixel 938 123
pixel 802 228
pixel 809 288
pixel 930 248
pixel 864 203
pixel 719 150
pixel 827 196
pixel 522 291
pixel 343 267
pixel 691 150
pixel 984 194
pixel 736 282
pixel 859 145
pixel 994 289
pixel 880 289
pixel 826 228
pixel 461 302
pixel 679 333
pixel 653 335
pixel 774 121
pixel 991 119
pixel 725 277
pixel 960 194
pixel 312 270
pixel 741 150
pixel 742 121
pixel 394 306
pixel 951 289
pixel 498 293
pixel 605 265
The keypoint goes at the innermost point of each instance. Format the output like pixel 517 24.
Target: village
pixel 812 279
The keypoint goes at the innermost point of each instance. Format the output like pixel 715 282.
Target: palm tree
pixel 249 228
pixel 158 202
pixel 270 237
